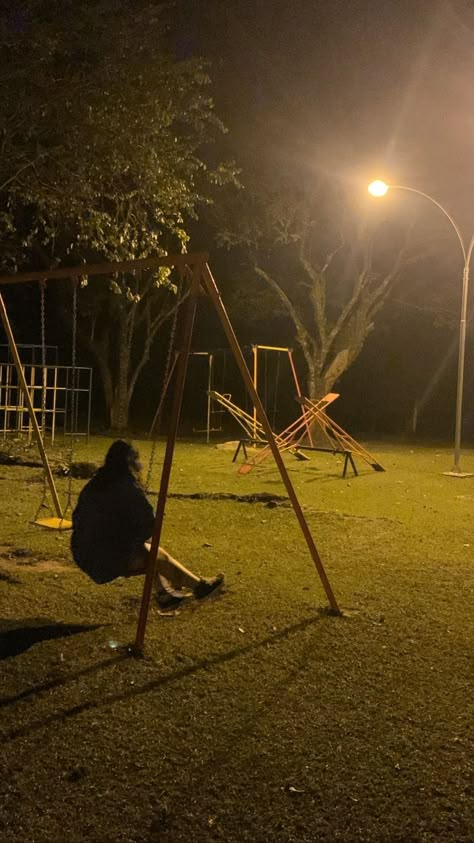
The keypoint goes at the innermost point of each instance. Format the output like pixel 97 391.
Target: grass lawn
pixel 255 717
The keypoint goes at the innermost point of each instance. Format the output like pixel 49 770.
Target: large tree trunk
pixel 120 406
pixel 317 384
pixel 118 413
pixel 112 345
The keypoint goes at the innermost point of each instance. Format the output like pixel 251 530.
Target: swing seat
pixel 54 523
pixel 299 454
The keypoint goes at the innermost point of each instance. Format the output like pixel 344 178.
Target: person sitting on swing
pixel 112 524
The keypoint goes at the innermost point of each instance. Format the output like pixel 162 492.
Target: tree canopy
pixel 105 155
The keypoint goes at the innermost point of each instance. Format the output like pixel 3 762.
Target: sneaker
pixel 207 588
pixel 168 602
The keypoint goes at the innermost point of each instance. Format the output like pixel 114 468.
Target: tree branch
pixel 304 339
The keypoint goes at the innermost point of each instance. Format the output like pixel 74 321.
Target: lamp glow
pixel 378 188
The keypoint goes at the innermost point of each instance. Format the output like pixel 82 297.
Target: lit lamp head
pixel 378 188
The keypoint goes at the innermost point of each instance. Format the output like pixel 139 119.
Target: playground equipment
pixel 195 270
pixel 44 392
pixel 213 416
pixel 255 433
pixel 338 439
pixel 51 388
pixel 260 376
pixel 44 372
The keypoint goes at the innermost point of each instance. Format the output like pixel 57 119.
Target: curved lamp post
pixel 379 188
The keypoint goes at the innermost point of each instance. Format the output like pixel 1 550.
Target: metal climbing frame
pixel 51 389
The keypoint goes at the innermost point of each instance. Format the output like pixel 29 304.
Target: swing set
pixel 259 375
pixel 195 269
pixel 210 360
pixel 336 440
pixel 213 413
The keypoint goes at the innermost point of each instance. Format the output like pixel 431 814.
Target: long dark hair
pixel 121 460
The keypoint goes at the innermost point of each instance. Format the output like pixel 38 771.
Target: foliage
pixel 106 136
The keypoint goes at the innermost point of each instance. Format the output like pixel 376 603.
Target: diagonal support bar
pixel 181 369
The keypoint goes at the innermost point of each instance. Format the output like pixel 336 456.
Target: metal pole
pixel 298 392
pixel 460 382
pixel 456 469
pixel 255 386
pixel 89 398
pixel 210 361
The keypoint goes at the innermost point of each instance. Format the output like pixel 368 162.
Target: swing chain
pixel 68 506
pixel 164 382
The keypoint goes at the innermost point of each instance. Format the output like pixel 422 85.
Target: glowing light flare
pixel 378 188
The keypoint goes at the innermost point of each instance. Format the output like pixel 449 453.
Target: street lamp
pixel 379 188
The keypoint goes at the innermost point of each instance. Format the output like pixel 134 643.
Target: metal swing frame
pixel 210 411
pixel 202 284
pixel 280 349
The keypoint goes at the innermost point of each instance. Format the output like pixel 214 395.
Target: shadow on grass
pixel 9 579
pixel 16 639
pixel 176 676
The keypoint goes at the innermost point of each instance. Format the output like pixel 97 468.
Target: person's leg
pixel 178 580
pixel 173 574
pixel 172 578
pixel 170 575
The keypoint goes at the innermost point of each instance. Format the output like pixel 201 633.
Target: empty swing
pixel 59 520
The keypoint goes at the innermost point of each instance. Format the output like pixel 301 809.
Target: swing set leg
pixel 136 648
pixel 349 459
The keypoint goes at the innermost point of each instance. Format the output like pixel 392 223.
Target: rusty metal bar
pixel 255 384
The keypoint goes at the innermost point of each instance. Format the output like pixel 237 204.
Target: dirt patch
pixel 14 559
pixel 268 498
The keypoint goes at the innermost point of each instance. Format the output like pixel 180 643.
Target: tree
pixel 112 134
pixel 324 268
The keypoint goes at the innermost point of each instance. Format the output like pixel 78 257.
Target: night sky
pixel 355 89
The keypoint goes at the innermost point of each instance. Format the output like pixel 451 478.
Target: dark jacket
pixel 110 523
